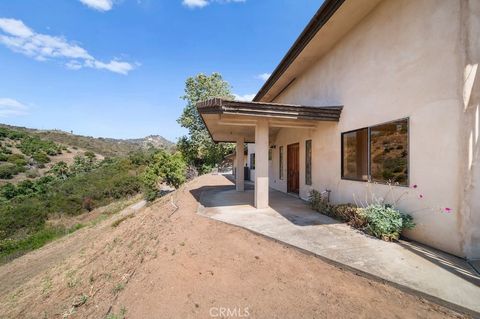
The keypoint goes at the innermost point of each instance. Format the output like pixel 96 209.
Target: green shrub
pixel 351 214
pixel 41 157
pixel 89 154
pixel 8 191
pixel 32 173
pixel 385 222
pixel 60 170
pixel 165 167
pixel 319 203
pixel 17 159
pixel 381 221
pixel 3 157
pixel 7 171
pixel 6 150
pixel 32 145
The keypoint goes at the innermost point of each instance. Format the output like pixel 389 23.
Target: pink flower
pixel 415 186
pixel 447 210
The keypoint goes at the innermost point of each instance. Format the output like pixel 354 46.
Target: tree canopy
pixel 197 147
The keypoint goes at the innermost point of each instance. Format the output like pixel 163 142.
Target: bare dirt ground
pixel 163 262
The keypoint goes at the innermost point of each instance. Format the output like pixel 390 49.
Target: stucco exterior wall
pixel 401 61
pixel 469 132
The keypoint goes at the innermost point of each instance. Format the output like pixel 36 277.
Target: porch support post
pixel 261 164
pixel 239 158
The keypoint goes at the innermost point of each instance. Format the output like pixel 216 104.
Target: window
pixel 280 162
pixel 252 161
pixel 378 153
pixel 355 155
pixel 308 162
pixel 270 154
pixel 389 152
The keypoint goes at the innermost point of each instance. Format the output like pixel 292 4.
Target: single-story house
pixel 375 99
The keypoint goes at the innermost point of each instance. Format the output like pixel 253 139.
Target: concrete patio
pixel 431 274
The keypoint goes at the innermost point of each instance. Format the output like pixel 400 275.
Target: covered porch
pixel 258 122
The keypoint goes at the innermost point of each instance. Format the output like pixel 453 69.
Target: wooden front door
pixel 293 168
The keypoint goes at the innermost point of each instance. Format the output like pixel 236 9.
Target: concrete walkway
pixel 431 274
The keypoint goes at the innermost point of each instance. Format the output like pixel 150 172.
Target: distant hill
pixel 156 141
pixel 104 146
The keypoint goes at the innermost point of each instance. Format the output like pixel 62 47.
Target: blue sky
pixel 117 68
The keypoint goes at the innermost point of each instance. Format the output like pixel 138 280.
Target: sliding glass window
pixel 378 153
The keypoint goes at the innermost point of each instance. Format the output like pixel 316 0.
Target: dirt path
pixel 171 263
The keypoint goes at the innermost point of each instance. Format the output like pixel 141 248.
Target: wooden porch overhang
pixel 227 120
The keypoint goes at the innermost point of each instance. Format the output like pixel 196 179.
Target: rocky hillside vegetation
pixel 43 180
pixel 107 147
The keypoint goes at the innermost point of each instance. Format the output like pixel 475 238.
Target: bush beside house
pixel 379 219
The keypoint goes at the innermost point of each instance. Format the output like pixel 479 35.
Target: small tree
pixel 165 167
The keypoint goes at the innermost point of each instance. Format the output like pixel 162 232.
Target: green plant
pixel 165 167
pixel 197 148
pixel 121 220
pixel 7 171
pixel 385 222
pixel 17 159
pixel 60 170
pixel 40 157
pixel 118 287
pixel 32 173
pixel 319 203
pixel 30 145
pixel 351 214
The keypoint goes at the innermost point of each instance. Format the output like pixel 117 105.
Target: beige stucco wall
pixel 403 60
pixel 469 131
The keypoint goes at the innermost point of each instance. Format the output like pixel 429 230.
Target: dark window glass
pixel 389 152
pixel 252 161
pixel 308 162
pixel 355 155
pixel 280 162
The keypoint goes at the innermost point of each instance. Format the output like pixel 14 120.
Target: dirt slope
pixel 168 263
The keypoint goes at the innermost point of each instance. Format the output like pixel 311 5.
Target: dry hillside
pixel 107 147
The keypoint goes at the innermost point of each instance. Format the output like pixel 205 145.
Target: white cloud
pixel 100 5
pixel 195 3
pixel 11 107
pixel 263 76
pixel 203 3
pixel 15 28
pixel 245 97
pixel 42 47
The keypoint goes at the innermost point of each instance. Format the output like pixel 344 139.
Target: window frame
pixel 369 157
pixel 280 162
pixel 252 161
pixel 342 173
pixel 308 173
